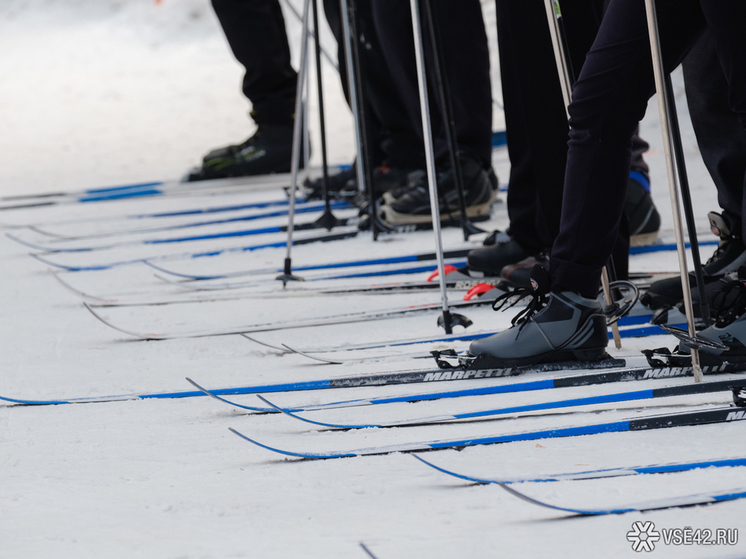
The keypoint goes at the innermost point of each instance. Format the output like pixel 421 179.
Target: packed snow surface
pixel 100 93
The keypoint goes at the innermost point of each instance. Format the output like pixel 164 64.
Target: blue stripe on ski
pixel 219 209
pixel 664 247
pixel 226 235
pixel 166 257
pixel 398 271
pixel 573 402
pixel 588 401
pixel 114 189
pixel 292 386
pixel 613 427
pixel 600 473
pixel 122 195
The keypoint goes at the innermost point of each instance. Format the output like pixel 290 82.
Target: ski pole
pixel 446 107
pixel 327 219
pixel 664 111
pixel 287 274
pixel 448 320
pixel 352 58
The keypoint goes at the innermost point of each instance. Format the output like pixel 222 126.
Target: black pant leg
pixel 255 30
pixel 467 67
pixel 390 134
pixel 721 138
pixel 609 100
pixel 726 20
pixel 535 115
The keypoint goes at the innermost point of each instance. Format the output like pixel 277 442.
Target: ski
pixel 348 318
pixel 598 474
pixel 427 376
pixel 378 272
pixel 664 421
pixel 147 190
pixel 673 502
pixel 636 395
pixel 56 238
pixel 378 379
pixel 410 258
pixel 642 330
pixel 170 240
pixel 627 372
pixel 660 504
pixel 290 324
pixel 279 244
pixel 203 297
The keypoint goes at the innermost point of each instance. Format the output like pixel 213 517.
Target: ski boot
pixel 268 151
pixel 412 204
pixel 729 256
pixel 553 327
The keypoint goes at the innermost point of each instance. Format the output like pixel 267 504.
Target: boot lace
pixel 511 298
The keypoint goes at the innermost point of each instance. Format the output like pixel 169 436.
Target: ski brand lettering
pixel 460 374
pixel 666 372
pixel 735 415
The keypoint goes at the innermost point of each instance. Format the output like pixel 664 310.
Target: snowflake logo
pixel 643 536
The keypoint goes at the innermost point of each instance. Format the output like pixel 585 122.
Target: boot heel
pixel 595 354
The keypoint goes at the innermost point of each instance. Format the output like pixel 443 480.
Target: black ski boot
pixel 269 150
pixel 729 256
pixel 519 274
pixel 553 327
pixel 491 259
pixel 413 204
pixel 336 184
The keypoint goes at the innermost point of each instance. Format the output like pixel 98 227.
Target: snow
pixel 96 93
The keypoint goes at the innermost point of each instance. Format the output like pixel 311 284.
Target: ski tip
pixel 277 450
pixel 251 338
pixel 226 401
pixel 309 356
pixel 144 337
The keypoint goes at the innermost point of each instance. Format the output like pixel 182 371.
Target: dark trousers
pixel 255 30
pixel 466 59
pixel 721 138
pixel 535 117
pixel 609 99
pixel 390 136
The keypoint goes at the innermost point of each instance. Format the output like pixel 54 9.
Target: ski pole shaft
pixel 664 111
pixel 297 130
pixel 429 157
pixel 350 43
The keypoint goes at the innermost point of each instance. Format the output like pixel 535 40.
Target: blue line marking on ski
pixel 598 474
pixel 111 189
pixel 664 247
pixel 122 195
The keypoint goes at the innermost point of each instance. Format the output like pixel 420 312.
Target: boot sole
pixel 643 239
pixel 396 218
pixel 486 361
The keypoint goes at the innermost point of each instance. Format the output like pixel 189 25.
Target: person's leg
pixel 720 136
pixel 255 30
pixel 395 149
pixel 467 66
pixel 609 100
pixel 725 20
